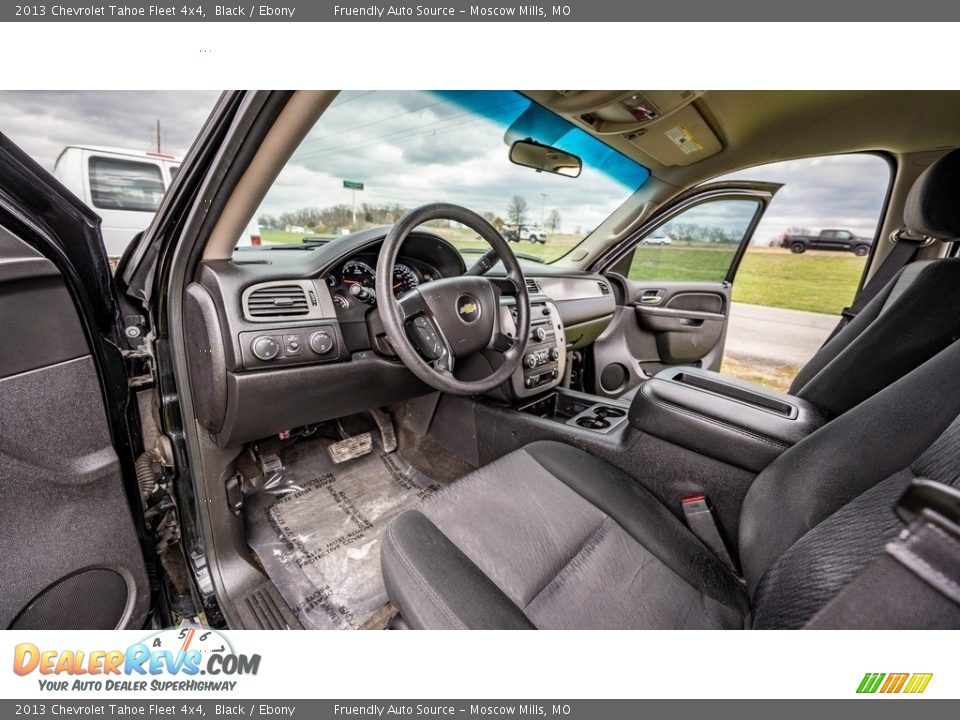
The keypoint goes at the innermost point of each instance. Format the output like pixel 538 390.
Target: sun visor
pixel 682 138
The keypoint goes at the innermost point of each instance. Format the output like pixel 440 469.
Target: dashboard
pixel 281 338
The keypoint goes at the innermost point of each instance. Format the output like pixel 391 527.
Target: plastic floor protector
pixel 317 527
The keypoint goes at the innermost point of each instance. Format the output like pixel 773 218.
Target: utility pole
pixel 543 206
pixel 158 137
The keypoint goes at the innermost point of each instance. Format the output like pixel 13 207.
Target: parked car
pixel 123 187
pixel 656 239
pixel 831 239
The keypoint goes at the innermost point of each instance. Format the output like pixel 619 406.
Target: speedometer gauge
pixel 404 279
pixel 356 272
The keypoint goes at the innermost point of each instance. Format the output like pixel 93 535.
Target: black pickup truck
pixel 828 240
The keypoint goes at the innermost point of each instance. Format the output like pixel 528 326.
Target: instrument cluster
pixel 354 283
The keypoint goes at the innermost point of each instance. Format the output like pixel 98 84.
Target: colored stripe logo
pixel 887 683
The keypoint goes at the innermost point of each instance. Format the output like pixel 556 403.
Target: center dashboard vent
pixel 532 286
pixel 604 288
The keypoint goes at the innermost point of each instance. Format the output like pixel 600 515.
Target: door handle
pixel 651 297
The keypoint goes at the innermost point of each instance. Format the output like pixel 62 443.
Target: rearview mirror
pixel 544 158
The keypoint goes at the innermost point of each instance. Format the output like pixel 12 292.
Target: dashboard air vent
pixel 532 286
pixel 604 288
pixel 277 301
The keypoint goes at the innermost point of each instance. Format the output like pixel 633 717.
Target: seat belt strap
pixel 702 523
pixel 904 252
pixel 915 583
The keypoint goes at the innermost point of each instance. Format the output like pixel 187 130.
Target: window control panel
pixel 288 346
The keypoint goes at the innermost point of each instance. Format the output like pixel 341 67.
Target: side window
pixel 125 184
pixel 697 245
pixel 174 169
pixel 804 262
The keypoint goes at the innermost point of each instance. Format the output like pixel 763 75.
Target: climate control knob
pixel 539 333
pixel 265 347
pixel 321 342
pixel 554 353
pixel 530 361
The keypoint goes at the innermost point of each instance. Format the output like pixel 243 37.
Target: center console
pixel 738 423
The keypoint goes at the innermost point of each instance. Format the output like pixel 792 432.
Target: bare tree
pixel 517 210
pixel 553 220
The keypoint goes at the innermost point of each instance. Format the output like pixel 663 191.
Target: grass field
pixel 815 281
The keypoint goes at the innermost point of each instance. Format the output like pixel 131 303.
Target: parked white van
pixel 123 187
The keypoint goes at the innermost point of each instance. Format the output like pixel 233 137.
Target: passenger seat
pixel 915 316
pixel 910 320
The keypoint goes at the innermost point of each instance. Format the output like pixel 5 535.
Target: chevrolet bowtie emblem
pixel 468 308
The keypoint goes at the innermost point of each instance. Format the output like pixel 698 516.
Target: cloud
pixel 417 147
pixel 842 191
pixel 44 122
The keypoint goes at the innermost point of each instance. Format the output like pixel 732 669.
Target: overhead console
pixel 736 422
pixel 664 124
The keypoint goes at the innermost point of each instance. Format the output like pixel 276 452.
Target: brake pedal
pixel 351 448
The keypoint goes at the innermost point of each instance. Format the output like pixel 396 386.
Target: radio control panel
pixel 544 359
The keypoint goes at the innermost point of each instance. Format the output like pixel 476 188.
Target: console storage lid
pixel 733 421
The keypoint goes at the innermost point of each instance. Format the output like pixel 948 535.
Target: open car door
pixel 673 282
pixel 72 543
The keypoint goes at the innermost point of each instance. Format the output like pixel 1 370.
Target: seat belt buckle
pixel 928 494
pixel 702 522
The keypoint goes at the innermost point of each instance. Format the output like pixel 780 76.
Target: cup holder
pixel 604 411
pixel 600 418
pixel 593 422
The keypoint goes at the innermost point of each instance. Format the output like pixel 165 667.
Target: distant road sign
pixel 352 185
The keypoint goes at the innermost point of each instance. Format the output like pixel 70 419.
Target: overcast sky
pixel 412 148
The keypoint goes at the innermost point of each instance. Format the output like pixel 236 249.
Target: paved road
pixel 773 336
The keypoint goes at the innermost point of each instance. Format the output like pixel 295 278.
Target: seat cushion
pixel 551 537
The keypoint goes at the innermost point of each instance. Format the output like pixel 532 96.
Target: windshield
pixel 375 155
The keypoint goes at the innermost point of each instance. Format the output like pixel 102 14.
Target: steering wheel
pixel 435 324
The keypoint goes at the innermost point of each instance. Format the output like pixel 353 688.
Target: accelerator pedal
pixel 351 448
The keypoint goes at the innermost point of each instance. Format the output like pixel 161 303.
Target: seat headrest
pixel 933 204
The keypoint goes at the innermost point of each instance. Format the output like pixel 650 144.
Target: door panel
pixel 71 547
pixel 69 556
pixel 686 327
pixel 673 296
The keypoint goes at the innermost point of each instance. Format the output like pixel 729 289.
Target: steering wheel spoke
pixel 429 340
